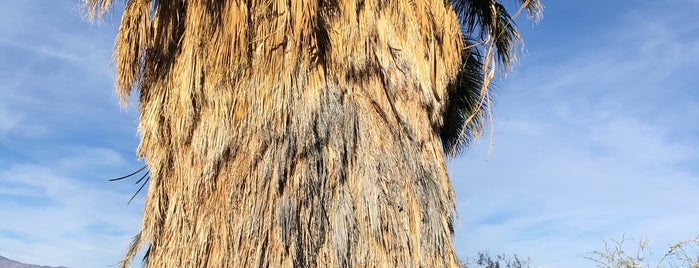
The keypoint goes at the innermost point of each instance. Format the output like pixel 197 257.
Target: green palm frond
pixel 489 21
pixel 466 112
pixel 492 39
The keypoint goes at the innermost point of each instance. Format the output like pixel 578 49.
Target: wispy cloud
pixel 62 135
pixel 591 142
pixel 57 219
pixel 8 121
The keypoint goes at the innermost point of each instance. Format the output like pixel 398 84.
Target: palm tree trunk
pixel 292 133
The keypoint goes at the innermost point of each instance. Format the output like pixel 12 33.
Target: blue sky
pixel 596 136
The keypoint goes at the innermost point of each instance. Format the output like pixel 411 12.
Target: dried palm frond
pixel 296 133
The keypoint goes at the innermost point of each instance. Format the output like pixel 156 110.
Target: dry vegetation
pixel 226 100
pixel 616 254
pixel 299 133
pixel 683 254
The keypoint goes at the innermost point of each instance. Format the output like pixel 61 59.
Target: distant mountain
pixel 7 263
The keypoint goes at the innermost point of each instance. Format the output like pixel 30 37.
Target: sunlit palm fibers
pixel 303 133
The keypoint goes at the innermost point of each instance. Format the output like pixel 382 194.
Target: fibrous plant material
pixel 292 133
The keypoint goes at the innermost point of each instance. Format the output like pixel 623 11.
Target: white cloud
pixel 8 121
pixel 60 220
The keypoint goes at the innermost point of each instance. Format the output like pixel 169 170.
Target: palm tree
pixel 304 133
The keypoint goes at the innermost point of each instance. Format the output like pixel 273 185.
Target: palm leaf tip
pixel 142 181
pixel 535 10
pixel 96 8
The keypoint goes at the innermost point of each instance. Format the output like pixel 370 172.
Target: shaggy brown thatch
pixel 291 133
